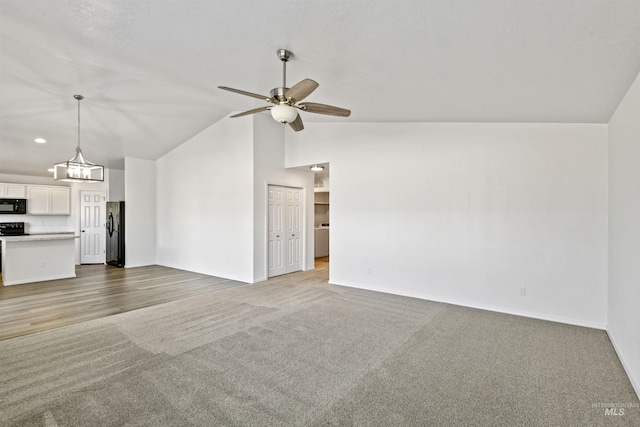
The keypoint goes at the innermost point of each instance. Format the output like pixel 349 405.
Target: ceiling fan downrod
pixel 284 56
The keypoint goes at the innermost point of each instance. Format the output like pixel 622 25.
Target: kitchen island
pixel 38 257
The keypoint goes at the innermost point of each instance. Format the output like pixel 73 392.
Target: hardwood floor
pixel 97 291
pixel 100 291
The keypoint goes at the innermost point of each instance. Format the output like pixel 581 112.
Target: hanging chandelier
pixel 78 169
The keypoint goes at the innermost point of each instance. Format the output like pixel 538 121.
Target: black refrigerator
pixel 115 234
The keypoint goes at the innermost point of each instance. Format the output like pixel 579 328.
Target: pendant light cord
pixel 79 98
pixel 79 123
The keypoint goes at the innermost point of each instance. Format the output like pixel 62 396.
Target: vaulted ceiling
pixel 149 69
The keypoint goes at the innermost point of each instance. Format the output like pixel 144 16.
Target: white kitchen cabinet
pixel 45 200
pixel 38 200
pixel 60 201
pixel 11 191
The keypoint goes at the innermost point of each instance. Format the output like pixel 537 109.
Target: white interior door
pixel 293 223
pixel 92 227
pixel 276 231
pixel 284 230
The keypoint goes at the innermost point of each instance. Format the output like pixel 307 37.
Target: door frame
pixel 305 207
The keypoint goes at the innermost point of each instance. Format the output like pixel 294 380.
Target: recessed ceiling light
pixel 316 168
pixel 40 140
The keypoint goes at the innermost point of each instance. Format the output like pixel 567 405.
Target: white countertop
pixel 37 237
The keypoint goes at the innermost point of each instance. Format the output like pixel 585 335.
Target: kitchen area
pixel 43 237
pixel 29 253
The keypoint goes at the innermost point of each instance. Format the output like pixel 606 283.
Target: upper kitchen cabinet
pixel 44 200
pixel 11 191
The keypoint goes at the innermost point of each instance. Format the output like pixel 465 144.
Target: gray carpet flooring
pixel 305 353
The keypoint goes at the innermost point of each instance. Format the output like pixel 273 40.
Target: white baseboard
pixel 635 382
pixel 558 319
pixel 38 279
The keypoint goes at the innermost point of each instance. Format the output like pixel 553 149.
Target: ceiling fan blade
pixel 313 107
pixel 246 113
pixel 242 92
pixel 297 124
pixel 301 90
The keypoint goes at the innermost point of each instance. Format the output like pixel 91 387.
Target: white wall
pixel 205 202
pixel 469 213
pixel 29 179
pixel 624 232
pixel 140 212
pixel 115 178
pixel 212 199
pixel 269 169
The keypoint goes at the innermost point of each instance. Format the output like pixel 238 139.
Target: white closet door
pixel 294 229
pixel 284 230
pixel 276 237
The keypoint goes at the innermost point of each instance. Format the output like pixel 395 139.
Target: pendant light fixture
pixel 78 169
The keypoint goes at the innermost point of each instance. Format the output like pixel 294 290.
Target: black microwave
pixel 13 206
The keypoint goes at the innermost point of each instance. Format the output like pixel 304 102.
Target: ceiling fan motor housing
pixel 278 93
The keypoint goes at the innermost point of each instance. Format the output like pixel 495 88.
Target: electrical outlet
pixel 523 291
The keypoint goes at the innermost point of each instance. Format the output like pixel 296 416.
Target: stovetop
pixel 12 229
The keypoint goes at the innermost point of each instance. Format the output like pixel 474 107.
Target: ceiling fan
pixel 287 101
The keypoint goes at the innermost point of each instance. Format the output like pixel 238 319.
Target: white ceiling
pixel 149 69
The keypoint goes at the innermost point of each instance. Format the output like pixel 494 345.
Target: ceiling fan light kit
pixel 283 113
pixel 78 169
pixel 287 101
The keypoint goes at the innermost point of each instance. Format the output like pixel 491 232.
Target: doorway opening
pixel 321 220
